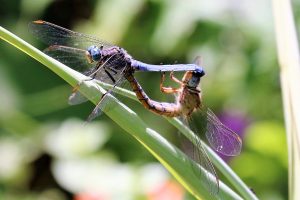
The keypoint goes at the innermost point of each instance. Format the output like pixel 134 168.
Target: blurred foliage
pixel 236 42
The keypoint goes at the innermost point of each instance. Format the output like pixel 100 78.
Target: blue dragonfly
pixel 95 58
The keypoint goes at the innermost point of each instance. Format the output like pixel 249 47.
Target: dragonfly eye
pixel 194 81
pixel 196 76
pixel 95 53
pixel 199 72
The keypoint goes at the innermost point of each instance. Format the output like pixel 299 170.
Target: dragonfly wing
pixel 105 102
pixel 198 61
pixel 221 138
pixel 77 98
pixel 72 57
pixel 209 178
pixel 108 74
pixel 52 34
pixel 105 72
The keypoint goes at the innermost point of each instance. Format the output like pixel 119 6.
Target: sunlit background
pixel 46 151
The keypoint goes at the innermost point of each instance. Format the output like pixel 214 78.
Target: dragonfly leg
pixel 90 78
pixel 77 86
pixel 113 70
pixel 101 65
pixel 110 76
pixel 167 90
pixel 173 78
pixel 93 75
pixel 103 101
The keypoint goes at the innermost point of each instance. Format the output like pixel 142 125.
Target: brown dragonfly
pixel 189 101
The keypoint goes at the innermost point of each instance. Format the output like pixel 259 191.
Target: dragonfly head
pixel 199 72
pixel 94 53
pixel 192 78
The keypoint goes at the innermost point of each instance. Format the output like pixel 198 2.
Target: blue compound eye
pixel 95 53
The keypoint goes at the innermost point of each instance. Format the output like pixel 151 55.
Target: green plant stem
pixel 172 158
pixel 289 61
pixel 233 178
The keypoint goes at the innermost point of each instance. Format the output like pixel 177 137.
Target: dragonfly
pixel 189 101
pixel 95 58
pixel 112 64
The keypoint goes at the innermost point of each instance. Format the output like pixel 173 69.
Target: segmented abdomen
pixel 161 108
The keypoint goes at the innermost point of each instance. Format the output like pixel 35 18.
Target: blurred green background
pixel 47 153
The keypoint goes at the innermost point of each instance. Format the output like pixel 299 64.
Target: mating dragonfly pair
pixel 111 64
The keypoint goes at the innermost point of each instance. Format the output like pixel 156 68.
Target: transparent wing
pixel 115 76
pixel 210 178
pixel 77 98
pixel 105 103
pixel 70 56
pixel 221 138
pixel 52 34
pixel 105 73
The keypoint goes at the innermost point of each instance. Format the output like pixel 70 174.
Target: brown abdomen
pixel 160 108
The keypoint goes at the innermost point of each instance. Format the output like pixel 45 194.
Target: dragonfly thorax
pixel 94 53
